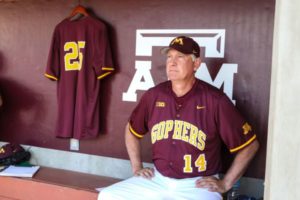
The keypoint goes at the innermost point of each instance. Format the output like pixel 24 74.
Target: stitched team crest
pixel 247 128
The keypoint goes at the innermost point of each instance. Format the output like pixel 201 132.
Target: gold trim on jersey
pixel 51 77
pixel 243 145
pixel 103 75
pixel 108 68
pixel 135 133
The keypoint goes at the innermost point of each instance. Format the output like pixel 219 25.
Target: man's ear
pixel 197 64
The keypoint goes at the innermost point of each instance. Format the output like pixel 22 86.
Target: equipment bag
pixel 11 154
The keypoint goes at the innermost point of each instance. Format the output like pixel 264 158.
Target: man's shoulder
pixel 159 90
pixel 208 89
pixel 164 86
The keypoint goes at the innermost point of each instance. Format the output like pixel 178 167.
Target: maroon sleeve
pixel 53 65
pixel 138 120
pixel 233 128
pixel 102 55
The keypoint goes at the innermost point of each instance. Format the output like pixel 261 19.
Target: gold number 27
pixel 73 57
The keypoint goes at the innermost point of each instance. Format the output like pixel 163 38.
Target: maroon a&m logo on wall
pixel 212 41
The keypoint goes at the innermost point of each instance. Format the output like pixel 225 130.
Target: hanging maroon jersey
pixel 79 57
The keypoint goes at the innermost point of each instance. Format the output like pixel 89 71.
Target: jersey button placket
pixel 178 107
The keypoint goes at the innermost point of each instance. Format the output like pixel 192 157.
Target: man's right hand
pixel 146 172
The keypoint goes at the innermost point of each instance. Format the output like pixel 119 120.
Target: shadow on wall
pixel 106 83
pixel 20 111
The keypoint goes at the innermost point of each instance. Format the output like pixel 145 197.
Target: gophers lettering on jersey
pixel 180 130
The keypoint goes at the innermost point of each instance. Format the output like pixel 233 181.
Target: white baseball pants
pixel 157 188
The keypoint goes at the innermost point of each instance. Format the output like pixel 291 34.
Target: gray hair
pixel 193 57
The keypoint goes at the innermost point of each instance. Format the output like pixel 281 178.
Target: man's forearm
pixel 134 150
pixel 239 165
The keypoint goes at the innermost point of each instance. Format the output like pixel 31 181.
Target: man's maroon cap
pixel 184 45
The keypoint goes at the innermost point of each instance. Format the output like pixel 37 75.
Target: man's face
pixel 179 66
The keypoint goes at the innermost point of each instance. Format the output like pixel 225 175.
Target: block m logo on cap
pixel 177 41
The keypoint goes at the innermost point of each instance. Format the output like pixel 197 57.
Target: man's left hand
pixel 212 184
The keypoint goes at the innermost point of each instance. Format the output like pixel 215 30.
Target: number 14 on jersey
pixel 200 163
